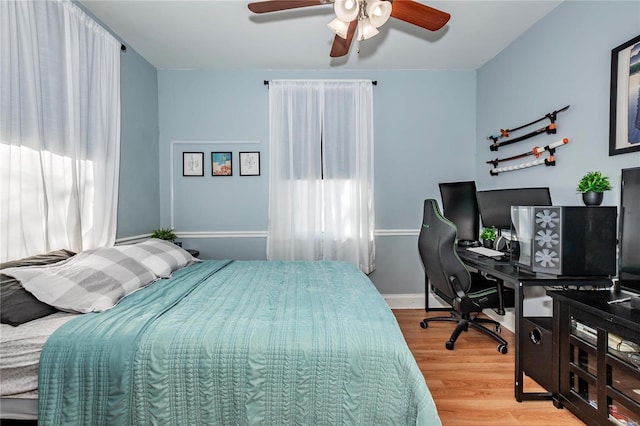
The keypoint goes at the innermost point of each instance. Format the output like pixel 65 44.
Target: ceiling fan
pixel 362 15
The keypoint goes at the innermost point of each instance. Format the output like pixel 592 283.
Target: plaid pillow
pixel 162 257
pixel 92 281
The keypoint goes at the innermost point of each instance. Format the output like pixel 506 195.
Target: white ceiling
pixel 208 34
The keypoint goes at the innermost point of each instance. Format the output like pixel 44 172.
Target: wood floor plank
pixel 474 384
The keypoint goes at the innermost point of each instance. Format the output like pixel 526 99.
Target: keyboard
pixel 486 251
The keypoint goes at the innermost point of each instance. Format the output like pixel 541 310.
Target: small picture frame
pixel 249 164
pixel 221 164
pixel 193 164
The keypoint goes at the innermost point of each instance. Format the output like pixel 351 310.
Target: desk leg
pixel 519 377
pixel 558 325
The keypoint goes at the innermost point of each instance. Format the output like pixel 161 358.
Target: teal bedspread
pixel 238 343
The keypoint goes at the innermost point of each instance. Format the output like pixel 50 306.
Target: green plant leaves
pixel 488 234
pixel 164 234
pixel 594 182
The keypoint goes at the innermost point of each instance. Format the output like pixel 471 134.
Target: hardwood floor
pixel 473 384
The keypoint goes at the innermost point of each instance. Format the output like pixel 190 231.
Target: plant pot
pixel 487 244
pixel 592 198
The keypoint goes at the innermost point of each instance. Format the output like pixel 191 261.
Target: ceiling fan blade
pixel 419 14
pixel 276 5
pixel 341 46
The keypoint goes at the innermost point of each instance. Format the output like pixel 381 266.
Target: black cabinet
pixel 537 350
pixel 597 349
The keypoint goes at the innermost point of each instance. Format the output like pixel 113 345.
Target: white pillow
pixel 91 281
pixel 162 257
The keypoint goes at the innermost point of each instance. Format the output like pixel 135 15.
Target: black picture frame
pixel 221 164
pixel 193 164
pixel 624 120
pixel 250 163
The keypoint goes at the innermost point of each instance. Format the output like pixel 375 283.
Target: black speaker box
pixel 536 350
pixel 561 240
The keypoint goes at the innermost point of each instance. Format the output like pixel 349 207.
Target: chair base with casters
pixel 470 317
pixel 467 293
pixel 466 320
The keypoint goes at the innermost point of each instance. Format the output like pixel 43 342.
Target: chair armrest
pixel 456 287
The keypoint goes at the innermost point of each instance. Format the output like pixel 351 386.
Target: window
pixel 321 174
pixel 59 129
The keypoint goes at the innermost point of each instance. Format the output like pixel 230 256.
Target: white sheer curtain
pixel 321 172
pixel 59 129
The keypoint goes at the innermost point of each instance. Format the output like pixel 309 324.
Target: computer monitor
pixel 495 205
pixel 460 206
pixel 629 230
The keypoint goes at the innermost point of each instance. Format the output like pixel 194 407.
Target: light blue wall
pixel 139 188
pixel 430 127
pixel 564 59
pixel 424 134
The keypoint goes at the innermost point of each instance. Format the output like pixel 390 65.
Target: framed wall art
pixel 249 164
pixel 624 120
pixel 193 164
pixel 221 164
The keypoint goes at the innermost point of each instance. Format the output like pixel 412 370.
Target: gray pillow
pixel 92 281
pixel 162 257
pixel 17 305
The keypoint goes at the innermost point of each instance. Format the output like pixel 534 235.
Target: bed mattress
pixel 20 349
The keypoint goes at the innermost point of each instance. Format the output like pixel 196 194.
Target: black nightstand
pixel 194 253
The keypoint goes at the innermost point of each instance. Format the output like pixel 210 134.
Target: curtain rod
pixel 123 48
pixel 374 82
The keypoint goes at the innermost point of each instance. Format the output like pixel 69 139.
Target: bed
pixel 237 342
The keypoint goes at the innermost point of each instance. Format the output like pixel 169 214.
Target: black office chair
pixel 468 293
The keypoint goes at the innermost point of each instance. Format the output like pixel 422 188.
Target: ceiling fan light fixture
pixel 346 10
pixel 339 27
pixel 379 12
pixel 363 16
pixel 366 30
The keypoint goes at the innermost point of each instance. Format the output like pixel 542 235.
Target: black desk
pixel 516 278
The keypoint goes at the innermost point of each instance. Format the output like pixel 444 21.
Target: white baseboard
pixel 410 301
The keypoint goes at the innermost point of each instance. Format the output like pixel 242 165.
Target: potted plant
pixel 488 236
pixel 592 186
pixel 164 234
